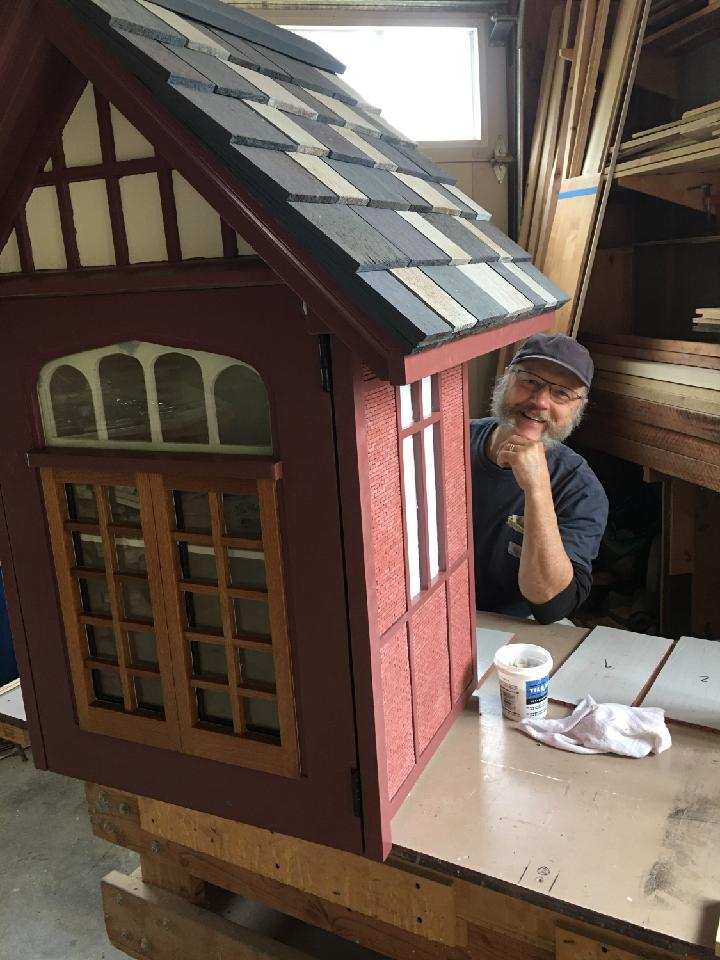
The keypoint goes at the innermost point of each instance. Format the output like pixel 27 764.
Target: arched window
pixel 144 395
pixel 124 398
pixel 72 404
pixel 241 401
pixel 181 399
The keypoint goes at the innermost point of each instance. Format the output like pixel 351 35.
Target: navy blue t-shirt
pixel 498 506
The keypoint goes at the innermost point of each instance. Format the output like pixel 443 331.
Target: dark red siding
pixel 397 709
pixel 460 635
pixel 385 502
pixel 424 654
pixel 431 668
pixel 451 402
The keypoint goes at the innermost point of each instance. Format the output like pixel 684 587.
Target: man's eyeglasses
pixel 536 384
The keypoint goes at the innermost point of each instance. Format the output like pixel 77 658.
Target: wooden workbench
pixel 636 842
pixel 504 850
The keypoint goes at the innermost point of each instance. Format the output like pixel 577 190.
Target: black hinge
pixel 356 789
pixel 325 362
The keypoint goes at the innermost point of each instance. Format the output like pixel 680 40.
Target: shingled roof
pixel 404 243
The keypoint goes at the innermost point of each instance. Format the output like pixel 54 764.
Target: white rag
pixel 605 728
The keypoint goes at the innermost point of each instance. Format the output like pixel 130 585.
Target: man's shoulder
pixel 571 467
pixel 480 428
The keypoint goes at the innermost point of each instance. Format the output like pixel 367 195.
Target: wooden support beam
pixel 611 90
pixel 38 91
pixel 152 924
pixel 680 505
pixel 681 188
pixel 172 878
pixel 706 573
pixel 574 946
pixel 541 131
pixel 13 734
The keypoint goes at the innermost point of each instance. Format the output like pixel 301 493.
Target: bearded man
pixel 539 512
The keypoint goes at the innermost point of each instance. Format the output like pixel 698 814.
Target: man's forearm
pixel 545 568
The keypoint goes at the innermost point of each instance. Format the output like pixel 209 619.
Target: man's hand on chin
pixel 527 460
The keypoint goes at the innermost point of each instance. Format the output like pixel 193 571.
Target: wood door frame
pixel 318 806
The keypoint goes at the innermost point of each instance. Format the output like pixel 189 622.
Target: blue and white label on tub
pixel 536 690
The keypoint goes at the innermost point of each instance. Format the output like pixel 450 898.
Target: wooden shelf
pixel 689 32
pixel 675 179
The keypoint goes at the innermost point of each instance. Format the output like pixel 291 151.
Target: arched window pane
pixel 243 413
pixel 181 399
pixel 124 399
pixel 72 404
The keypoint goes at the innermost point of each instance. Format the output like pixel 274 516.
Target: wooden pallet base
pixel 158 914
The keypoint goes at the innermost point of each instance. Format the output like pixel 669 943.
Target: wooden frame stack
pixel 657 403
pixel 579 116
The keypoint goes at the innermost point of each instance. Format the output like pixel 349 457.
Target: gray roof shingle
pixel 356 195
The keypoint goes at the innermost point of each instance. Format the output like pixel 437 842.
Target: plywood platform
pixel 633 841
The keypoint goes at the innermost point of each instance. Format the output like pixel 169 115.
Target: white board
pixel 653 370
pixel 688 686
pixel 488 643
pixel 613 666
pixel 11 701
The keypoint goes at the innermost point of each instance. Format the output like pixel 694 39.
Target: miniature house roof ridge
pixel 352 200
pixel 248 27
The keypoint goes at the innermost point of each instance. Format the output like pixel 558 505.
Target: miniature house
pixel 237 309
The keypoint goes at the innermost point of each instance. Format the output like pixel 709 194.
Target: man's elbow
pixel 561 605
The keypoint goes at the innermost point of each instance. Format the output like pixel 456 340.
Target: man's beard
pixel 553 434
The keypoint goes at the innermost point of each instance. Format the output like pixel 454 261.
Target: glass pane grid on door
pixel 222 584
pixel 116 618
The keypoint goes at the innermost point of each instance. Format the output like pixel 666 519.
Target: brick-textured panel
pixel 461 665
pixel 397 710
pixel 385 502
pixel 431 667
pixel 451 401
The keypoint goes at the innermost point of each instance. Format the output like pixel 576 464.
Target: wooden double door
pixel 279 752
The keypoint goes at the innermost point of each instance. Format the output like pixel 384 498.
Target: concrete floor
pixel 51 870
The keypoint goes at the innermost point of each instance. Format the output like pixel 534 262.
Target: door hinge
pixel 356 789
pixel 325 362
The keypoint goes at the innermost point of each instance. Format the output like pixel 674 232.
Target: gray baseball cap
pixel 560 349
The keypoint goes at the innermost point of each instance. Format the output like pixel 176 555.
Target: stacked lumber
pixel 664 13
pixel 580 112
pixel 656 402
pixel 707 317
pixel 678 26
pixel 691 142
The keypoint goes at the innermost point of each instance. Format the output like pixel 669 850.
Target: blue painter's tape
pixel 580 192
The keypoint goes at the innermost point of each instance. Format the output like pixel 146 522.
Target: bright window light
pixel 424 79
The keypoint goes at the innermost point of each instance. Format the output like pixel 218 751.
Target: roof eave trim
pixel 432 360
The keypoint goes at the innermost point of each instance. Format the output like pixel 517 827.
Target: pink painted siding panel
pixel 461 664
pixel 385 502
pixel 430 667
pixel 397 710
pixel 453 433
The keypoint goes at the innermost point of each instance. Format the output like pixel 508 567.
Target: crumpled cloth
pixel 604 728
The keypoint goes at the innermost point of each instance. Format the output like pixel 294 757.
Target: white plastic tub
pixel 524 677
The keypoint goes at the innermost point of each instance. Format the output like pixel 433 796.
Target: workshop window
pixel 147 396
pixel 420 444
pixel 378 55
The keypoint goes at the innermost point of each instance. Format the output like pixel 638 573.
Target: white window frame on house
pixel 420 439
